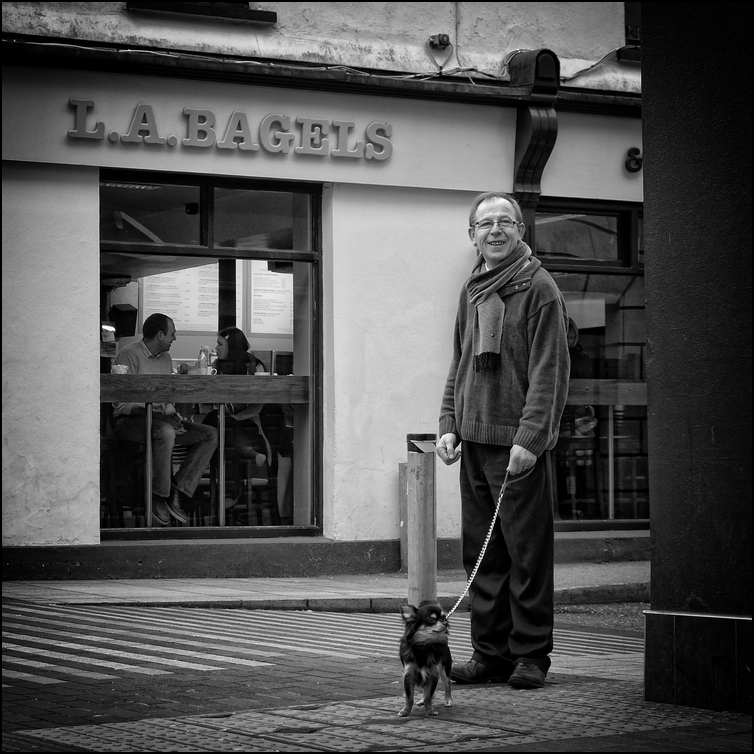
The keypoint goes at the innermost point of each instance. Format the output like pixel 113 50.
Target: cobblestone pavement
pixel 104 678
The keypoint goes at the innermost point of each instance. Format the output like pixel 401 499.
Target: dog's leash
pixel 487 538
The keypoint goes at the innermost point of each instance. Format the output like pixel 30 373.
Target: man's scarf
pixel 490 309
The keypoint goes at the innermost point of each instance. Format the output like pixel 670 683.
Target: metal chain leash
pixel 487 538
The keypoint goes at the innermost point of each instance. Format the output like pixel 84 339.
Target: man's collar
pixel 148 353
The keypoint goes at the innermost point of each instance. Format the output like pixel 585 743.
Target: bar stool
pixel 579 467
pixel 260 492
pixel 116 456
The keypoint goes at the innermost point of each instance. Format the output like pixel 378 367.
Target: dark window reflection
pixel 577 236
pixel 608 314
pixel 261 219
pixel 149 213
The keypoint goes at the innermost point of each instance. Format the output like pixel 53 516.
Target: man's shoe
pixel 174 506
pixel 475 672
pixel 160 512
pixel 527 675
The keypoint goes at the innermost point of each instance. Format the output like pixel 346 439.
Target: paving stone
pixel 314 703
pixel 340 740
pixel 437 731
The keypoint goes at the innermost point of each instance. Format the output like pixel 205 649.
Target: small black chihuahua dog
pixel 425 654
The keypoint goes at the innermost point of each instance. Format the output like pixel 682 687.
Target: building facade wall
pixel 380 36
pixel 50 308
pixel 393 262
pixel 395 248
pixel 399 258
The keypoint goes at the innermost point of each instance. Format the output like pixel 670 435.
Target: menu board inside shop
pixel 188 297
pixel 271 301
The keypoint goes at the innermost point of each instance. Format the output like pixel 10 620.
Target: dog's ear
pixel 408 613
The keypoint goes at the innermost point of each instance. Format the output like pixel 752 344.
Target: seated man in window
pixel 151 355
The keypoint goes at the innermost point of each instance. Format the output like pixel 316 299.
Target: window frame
pixel 628 214
pixel 630 264
pixel 207 215
pixel 207 184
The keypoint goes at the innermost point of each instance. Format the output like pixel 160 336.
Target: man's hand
pixel 521 460
pixel 174 420
pixel 446 449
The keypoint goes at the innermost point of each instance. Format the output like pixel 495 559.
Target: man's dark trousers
pixel 511 598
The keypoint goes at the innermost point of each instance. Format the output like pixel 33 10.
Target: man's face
pixel 166 339
pixel 496 243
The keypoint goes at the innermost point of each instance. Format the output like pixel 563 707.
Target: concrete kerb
pixel 360 604
pixel 592 595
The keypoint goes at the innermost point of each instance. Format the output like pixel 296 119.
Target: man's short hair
pixel 155 323
pixel 494 195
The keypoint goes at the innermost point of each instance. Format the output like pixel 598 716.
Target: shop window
pixel 261 219
pixel 607 312
pixel 153 213
pixel 596 258
pixel 214 256
pixel 577 236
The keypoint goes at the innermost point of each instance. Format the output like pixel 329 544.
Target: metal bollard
pixel 422 524
pixel 403 506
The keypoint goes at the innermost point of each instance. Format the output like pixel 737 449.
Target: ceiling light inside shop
pixel 145 186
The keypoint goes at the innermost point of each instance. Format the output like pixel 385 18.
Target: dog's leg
pixel 445 677
pixel 429 691
pixel 408 690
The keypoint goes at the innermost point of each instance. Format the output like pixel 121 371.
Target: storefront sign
pixel 275 134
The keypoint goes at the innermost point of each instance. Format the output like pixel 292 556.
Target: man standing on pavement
pixel 151 355
pixel 504 396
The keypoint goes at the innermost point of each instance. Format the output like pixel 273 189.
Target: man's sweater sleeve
pixel 448 407
pixel 128 358
pixel 549 367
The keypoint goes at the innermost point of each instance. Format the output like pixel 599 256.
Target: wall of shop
pixel 50 358
pixel 588 160
pixel 382 36
pixel 395 245
pixel 395 255
pixel 433 144
pixel 393 263
pixel 394 266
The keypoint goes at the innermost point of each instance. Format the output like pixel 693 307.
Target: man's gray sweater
pixel 520 402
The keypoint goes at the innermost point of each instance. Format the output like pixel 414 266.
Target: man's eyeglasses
pixel 487 223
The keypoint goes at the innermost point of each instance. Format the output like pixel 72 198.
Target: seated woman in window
pixel 233 355
pixel 246 434
pixel 243 426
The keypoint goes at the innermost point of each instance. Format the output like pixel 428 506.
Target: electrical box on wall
pixel 123 316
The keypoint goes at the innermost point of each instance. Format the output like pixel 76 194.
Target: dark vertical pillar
pixel 697 199
pixel 226 311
